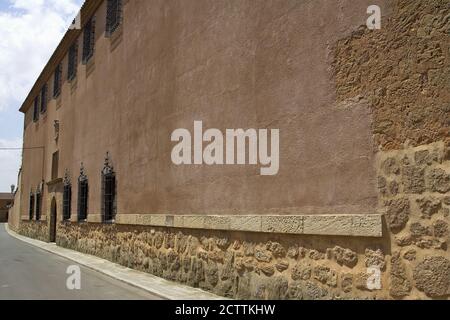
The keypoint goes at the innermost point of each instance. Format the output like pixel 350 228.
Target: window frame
pixel 44 99
pixel 89 40
pixel 38 204
pixel 67 202
pixel 31 206
pixel 72 63
pixel 83 196
pixel 67 197
pixel 114 16
pixel 57 81
pixel 109 192
pixel 36 109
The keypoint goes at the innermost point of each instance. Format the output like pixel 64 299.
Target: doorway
pixel 53 216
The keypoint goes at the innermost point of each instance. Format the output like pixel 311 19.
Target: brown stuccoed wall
pixel 399 76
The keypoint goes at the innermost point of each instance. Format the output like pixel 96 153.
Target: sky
pixel 30 30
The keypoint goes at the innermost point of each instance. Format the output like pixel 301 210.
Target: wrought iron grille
pixel 82 200
pixel 31 209
pixel 38 205
pixel 44 98
pixel 108 191
pixel 36 109
pixel 113 16
pixel 67 197
pixel 88 40
pixel 67 200
pixel 57 81
pixel 83 194
pixel 72 67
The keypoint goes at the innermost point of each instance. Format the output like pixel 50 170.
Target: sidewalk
pixel 155 285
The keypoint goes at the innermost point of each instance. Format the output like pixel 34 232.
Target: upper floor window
pixel 44 99
pixel 72 67
pixel 83 193
pixel 113 16
pixel 31 208
pixel 108 191
pixel 36 109
pixel 88 40
pixel 67 197
pixel 57 81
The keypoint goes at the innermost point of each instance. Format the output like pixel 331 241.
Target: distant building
pixel 6 201
pixel 362 190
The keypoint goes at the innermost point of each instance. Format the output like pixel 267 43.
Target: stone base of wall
pixel 34 229
pixel 414 186
pixel 239 265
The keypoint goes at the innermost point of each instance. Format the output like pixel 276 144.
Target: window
pixel 44 99
pixel 31 209
pixel 67 197
pixel 38 205
pixel 55 160
pixel 36 109
pixel 57 81
pixel 83 193
pixel 72 67
pixel 88 40
pixel 108 191
pixel 113 16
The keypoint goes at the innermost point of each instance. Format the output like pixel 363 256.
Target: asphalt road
pixel 28 273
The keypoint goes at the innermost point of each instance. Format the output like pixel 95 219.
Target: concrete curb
pixel 145 281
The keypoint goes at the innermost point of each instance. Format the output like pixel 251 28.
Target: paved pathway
pixel 27 272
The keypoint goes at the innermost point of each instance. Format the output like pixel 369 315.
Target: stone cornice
pixel 363 225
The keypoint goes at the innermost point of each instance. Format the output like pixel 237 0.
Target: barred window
pixel 67 202
pixel 38 205
pixel 67 196
pixel 36 109
pixel 57 81
pixel 44 98
pixel 88 40
pixel 72 67
pixel 83 194
pixel 108 191
pixel 31 209
pixel 113 16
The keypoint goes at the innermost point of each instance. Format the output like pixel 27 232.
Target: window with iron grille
pixel 38 205
pixel 82 200
pixel 31 209
pixel 72 67
pixel 88 40
pixel 109 195
pixel 83 194
pixel 36 109
pixel 113 16
pixel 67 202
pixel 108 191
pixel 57 81
pixel 44 99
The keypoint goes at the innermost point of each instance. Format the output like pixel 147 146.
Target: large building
pixel 6 201
pixel 355 203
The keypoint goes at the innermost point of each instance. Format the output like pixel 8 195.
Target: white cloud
pixel 9 163
pixel 30 31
